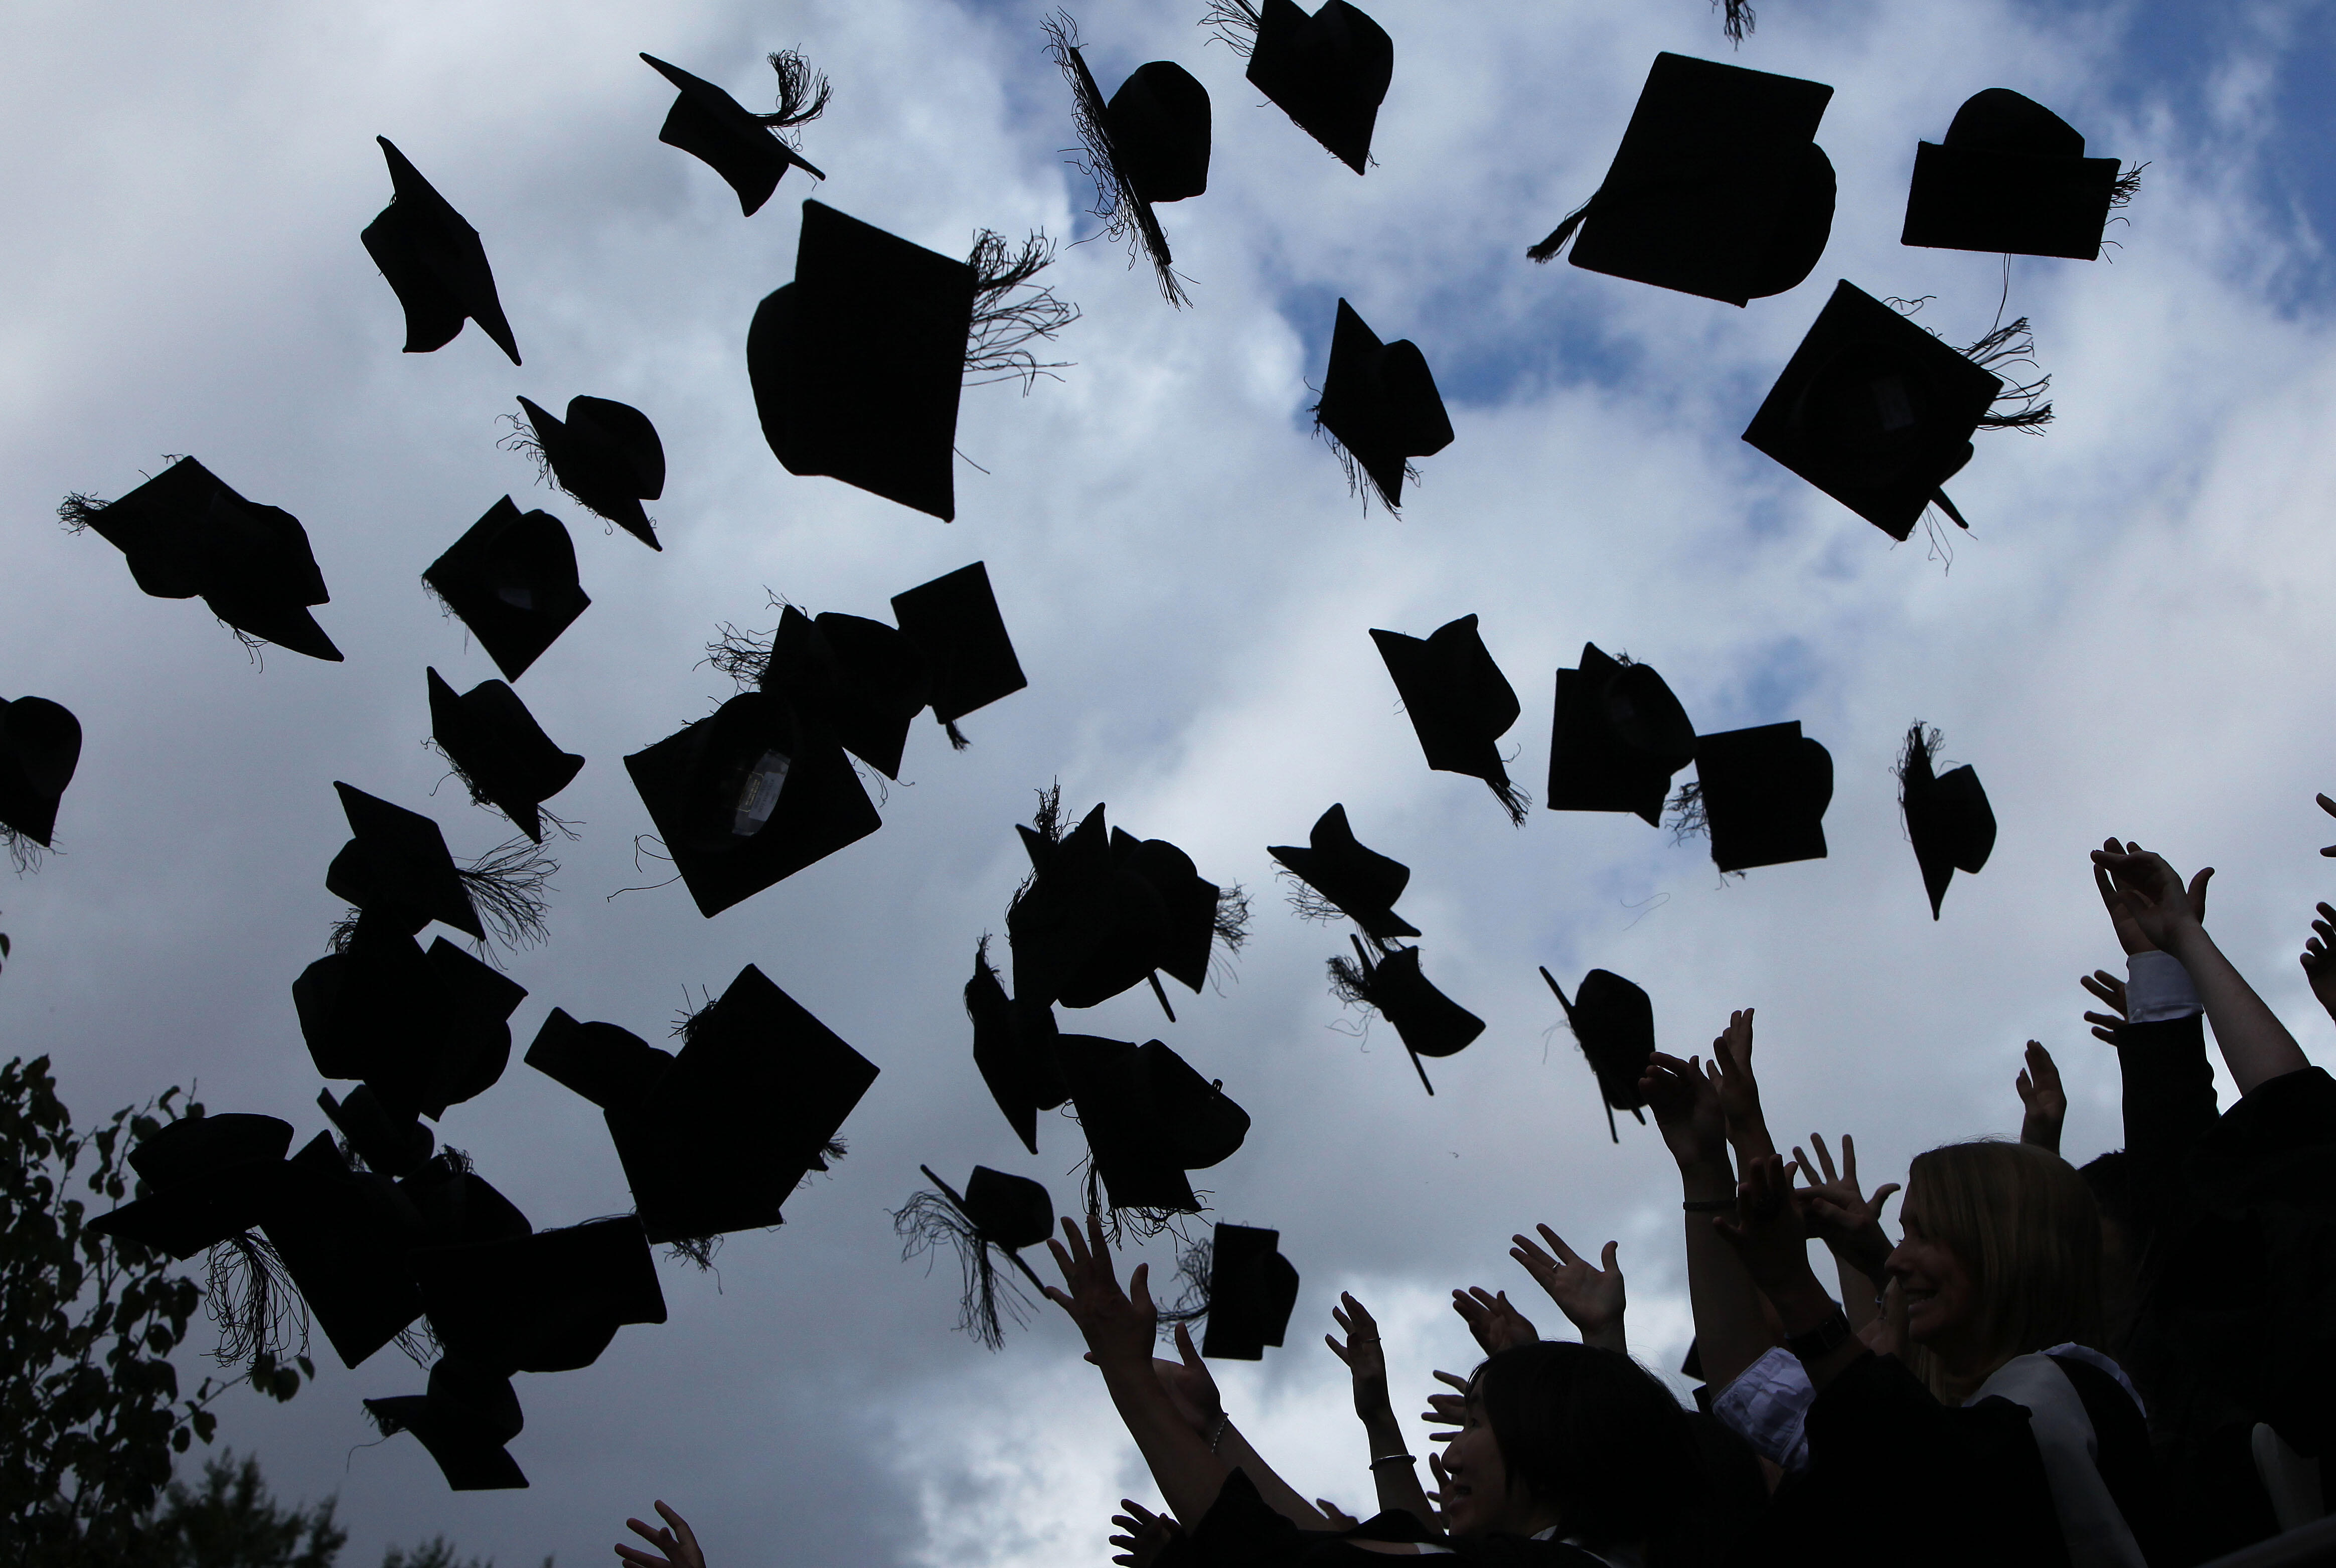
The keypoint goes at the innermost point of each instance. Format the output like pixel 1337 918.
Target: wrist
pixel 1802 1305
pixel 1383 1429
pixel 1708 1176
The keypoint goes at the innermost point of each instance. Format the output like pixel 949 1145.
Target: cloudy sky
pixel 2131 640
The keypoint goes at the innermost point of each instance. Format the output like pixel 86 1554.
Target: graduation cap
pixel 1013 1049
pixel 1874 412
pixel 186 534
pixel 866 680
pixel 1380 407
pixel 459 1207
pixel 1719 189
pixel 1149 1118
pixel 750 795
pixel 716 1140
pixel 434 260
pixel 1613 1022
pixel 549 1301
pixel 39 747
pixel 1762 794
pixel 1005 1212
pixel 512 579
pixel 1948 819
pixel 393 1142
pixel 1149 143
pixel 1354 881
pixel 501 755
pixel 2011 177
pixel 397 865
pixel 343 1237
pixel 1459 702
pixel 1617 737
pixel 465 1421
pixel 1428 1022
pixel 424 1030
pixel 1328 71
pixel 1252 1290
pixel 858 362
pixel 606 454
pixel 955 620
pixel 742 147
pixel 203 1180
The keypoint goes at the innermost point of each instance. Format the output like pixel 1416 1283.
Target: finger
pixel 1339 1351
pixel 648 1533
pixel 1139 1288
pixel 1184 1347
pixel 1557 1245
pixel 640 1559
pixel 1606 1260
pixel 2198 894
pixel 2103 1023
pixel 1362 1314
pixel 1881 1196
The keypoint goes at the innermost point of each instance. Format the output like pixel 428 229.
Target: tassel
pixel 1689 819
pixel 1739 21
pixel 1361 479
pixel 998 348
pixel 1921 751
pixel 418 1343
pixel 1547 249
pixel 955 736
pixel 462 773
pixel 2013 345
pixel 1233 23
pixel 803 92
pixel 928 1220
pixel 1194 1264
pixel 507 887
pixel 1308 904
pixel 699 1251
pixel 1047 819
pixel 1514 800
pixel 1232 917
pixel 253 1303
pixel 523 440
pixel 344 930
pixel 76 511
pixel 1123 215
pixel 2127 186
pixel 24 855
pixel 1939 498
pixel 743 656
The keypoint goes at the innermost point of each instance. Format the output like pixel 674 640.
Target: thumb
pixel 2198 892
pixel 1606 1260
pixel 1881 1196
pixel 1184 1348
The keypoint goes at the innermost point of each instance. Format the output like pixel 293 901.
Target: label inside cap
pixel 760 795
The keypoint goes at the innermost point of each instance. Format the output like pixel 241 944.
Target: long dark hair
pixel 1592 1433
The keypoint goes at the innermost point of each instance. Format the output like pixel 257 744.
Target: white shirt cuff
pixel 2158 988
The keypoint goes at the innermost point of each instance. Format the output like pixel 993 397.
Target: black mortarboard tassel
pixel 1013 1049
pixel 500 752
pixel 465 1421
pixel 40 747
pixel 1459 702
pixel 186 534
pixel 202 1179
pixel 866 680
pixel 434 260
pixel 1718 189
pixel 1876 411
pixel 1149 143
pixel 1005 1212
pixel 1613 1022
pixel 956 620
pixel 343 1236
pixel 1428 1022
pixel 742 147
pixel 1617 737
pixel 397 867
pixel 1328 71
pixel 2011 176
pixel 1149 1118
pixel 1252 1290
pixel 549 1301
pixel 1352 881
pixel 1948 819
pixel 858 362
pixel 750 795
pixel 1380 407
pixel 605 454
pixel 512 579
pixel 1761 792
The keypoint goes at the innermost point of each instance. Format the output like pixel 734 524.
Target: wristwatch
pixel 1822 1340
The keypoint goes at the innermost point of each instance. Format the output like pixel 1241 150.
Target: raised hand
pixel 1687 1110
pixel 1189 1386
pixel 2130 934
pixel 1339 1518
pixel 676 1547
pixel 1730 1073
pixel 1495 1324
pixel 1589 1295
pixel 2109 991
pixel 2330 807
pixel 1838 1212
pixel 1119 1328
pixel 2152 894
pixel 2319 952
pixel 1365 1362
pixel 1142 1534
pixel 1446 1410
pixel 1765 1231
pixel 2046 1103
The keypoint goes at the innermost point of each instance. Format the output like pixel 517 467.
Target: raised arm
pixel 1192 1390
pixel 2257 1046
pixel 1589 1295
pixel 1730 1072
pixel 1730 1332
pixel 2044 1103
pixel 1836 1211
pixel 1395 1471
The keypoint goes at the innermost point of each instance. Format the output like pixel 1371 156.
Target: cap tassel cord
pixel 1123 213
pixel 998 345
pixel 507 887
pixel 802 94
pixel 1233 23
pixel 1740 20
pixel 1546 251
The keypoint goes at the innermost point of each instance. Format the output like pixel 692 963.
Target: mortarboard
pixel 2011 176
pixel 1359 883
pixel 1149 1118
pixel 1328 71
pixel 459 1207
pixel 1380 404
pixel 1149 143
pixel 393 1142
pixel 1874 412
pixel 866 680
pixel 1613 1022
pixel 434 260
pixel 1013 1049
pixel 39 747
pixel 1459 702
pixel 396 864
pixel 1428 1022
pixel 500 752
pixel 742 147
pixel 549 1301
pixel 1718 189
pixel 955 620
pixel 606 454
pixel 749 795
pixel 465 1421
pixel 343 1237
pixel 858 362
pixel 997 1210
pixel 1252 1290
pixel 202 1179
pixel 512 578
pixel 1762 792
pixel 1948 819
pixel 424 1030
pixel 1617 737
pixel 185 534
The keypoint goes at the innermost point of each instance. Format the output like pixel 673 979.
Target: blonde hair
pixel 2024 1225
